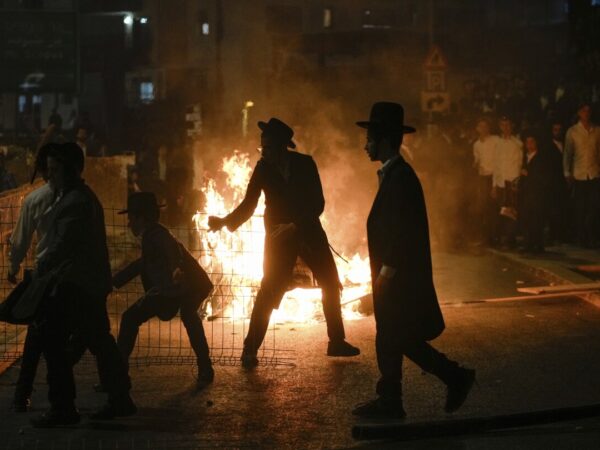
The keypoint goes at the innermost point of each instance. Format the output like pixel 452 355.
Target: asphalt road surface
pixel 529 355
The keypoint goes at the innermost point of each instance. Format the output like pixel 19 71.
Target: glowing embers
pixel 235 260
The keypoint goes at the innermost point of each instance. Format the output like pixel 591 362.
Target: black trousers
pixel 279 261
pixel 486 208
pixel 32 351
pixel 391 351
pixel 505 228
pixel 586 195
pixel 73 312
pixel 148 307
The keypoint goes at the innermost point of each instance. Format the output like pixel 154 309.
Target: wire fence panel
pixel 225 312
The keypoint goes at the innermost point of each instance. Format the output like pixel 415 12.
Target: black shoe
pixel 121 407
pixel 459 388
pixel 380 408
pixel 20 404
pixel 341 348
pixel 249 360
pixel 56 418
pixel 206 375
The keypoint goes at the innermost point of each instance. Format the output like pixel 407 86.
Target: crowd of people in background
pixel 513 168
pixel 513 162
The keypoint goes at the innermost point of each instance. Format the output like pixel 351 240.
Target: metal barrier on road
pixel 225 313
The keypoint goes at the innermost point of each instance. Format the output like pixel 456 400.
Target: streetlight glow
pixel 128 19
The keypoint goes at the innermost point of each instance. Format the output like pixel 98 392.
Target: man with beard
pixel 407 312
pixel 294 202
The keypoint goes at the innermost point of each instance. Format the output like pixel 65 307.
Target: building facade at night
pixel 139 59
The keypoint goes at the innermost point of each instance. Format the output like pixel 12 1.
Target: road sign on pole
pixel 435 96
pixel 193 117
pixel 435 59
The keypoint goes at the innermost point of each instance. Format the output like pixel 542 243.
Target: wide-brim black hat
pixel 387 117
pixel 278 130
pixel 142 203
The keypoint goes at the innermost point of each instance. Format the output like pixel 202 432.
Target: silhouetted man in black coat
pixel 78 253
pixel 294 202
pixel 537 189
pixel 172 279
pixel 407 313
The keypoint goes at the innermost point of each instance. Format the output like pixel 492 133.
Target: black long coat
pixel 398 236
pixel 538 186
pixel 77 242
pixel 162 254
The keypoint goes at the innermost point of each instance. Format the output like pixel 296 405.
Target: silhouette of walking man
pixel 407 313
pixel 294 202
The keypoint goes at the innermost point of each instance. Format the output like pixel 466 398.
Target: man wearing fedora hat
pixel 294 202
pixel 172 279
pixel 407 313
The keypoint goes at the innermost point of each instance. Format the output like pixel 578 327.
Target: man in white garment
pixel 507 169
pixel 484 158
pixel 35 217
pixel 581 161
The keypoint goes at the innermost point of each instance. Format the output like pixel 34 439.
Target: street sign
pixel 435 59
pixel 435 101
pixel 435 97
pixel 193 117
pixel 435 80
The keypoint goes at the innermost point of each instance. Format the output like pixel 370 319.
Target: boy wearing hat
pixel 407 313
pixel 172 279
pixel 294 202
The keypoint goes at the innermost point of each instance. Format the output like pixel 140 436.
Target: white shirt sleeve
pixel 21 236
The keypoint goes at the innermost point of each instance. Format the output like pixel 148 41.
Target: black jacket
pixel 299 200
pixel 162 253
pixel 398 236
pixel 77 241
pixel 539 185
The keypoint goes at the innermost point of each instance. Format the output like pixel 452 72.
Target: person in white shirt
pixel 507 169
pixel 484 149
pixel 35 217
pixel 581 163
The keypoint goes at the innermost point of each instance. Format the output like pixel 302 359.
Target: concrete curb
pixel 473 425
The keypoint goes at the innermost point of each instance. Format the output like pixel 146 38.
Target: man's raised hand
pixel 215 223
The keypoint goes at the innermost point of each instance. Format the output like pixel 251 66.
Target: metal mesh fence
pixel 225 312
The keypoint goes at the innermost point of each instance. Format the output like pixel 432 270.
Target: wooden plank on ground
pixel 559 288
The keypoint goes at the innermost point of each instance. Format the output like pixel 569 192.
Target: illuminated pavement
pixel 530 355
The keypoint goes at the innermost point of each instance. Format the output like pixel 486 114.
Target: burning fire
pixel 235 260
